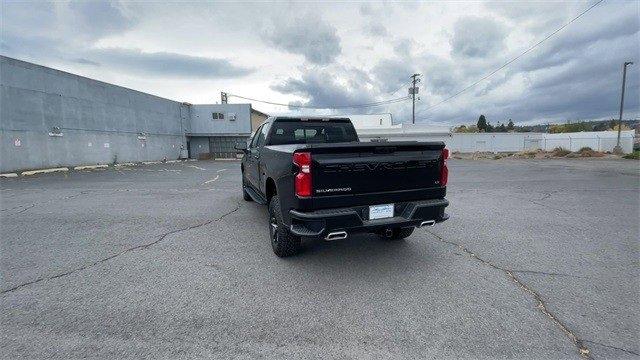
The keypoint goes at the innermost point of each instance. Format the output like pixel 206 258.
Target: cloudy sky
pixel 344 53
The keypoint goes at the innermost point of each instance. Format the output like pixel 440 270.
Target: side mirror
pixel 242 146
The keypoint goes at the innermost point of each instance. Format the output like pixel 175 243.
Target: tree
pixel 510 125
pixel 482 123
pixel 501 128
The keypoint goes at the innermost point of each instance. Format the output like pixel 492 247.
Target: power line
pixel 372 104
pixel 401 86
pixel 515 58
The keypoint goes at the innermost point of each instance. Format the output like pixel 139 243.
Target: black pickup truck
pixel 320 181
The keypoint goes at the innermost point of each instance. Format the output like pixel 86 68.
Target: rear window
pixel 303 132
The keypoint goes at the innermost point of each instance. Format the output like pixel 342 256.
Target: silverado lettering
pixel 396 165
pixel 333 190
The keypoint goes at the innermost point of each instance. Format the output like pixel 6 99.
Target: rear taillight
pixel 303 183
pixel 444 170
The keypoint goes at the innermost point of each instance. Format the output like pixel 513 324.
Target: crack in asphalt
pixel 134 248
pixel 541 305
pixel 544 273
pixel 612 347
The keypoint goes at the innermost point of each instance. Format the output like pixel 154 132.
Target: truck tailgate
pixel 362 168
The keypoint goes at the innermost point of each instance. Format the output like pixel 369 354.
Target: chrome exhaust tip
pixel 428 223
pixel 336 235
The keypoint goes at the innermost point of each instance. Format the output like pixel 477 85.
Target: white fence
pixel 508 142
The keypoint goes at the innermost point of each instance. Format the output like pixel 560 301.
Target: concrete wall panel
pixel 90 113
pixel 512 142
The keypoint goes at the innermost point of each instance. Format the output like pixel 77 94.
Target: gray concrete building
pixel 215 128
pixel 51 118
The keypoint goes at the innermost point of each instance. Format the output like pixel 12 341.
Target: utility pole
pixel 413 90
pixel 618 148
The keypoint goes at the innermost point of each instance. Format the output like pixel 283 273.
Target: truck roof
pixel 311 118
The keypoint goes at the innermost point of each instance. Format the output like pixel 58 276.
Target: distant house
pixel 257 118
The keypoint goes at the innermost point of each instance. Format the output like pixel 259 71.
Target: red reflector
pixel 444 170
pixel 303 183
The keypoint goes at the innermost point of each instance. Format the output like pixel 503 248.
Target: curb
pixel 90 167
pixel 44 171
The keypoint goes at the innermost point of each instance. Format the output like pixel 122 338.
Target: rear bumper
pixel 356 219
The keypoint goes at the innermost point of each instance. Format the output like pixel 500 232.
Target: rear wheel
pixel 245 194
pixel 283 242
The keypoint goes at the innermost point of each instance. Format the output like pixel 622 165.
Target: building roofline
pixel 258 112
pixel 11 59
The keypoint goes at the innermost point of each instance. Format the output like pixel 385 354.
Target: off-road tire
pixel 283 242
pixel 245 194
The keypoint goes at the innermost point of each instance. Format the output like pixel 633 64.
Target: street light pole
pixel 618 148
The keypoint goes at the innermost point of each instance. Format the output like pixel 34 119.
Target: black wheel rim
pixel 273 229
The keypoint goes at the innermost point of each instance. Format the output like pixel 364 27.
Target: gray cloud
pixel 573 76
pixel 582 85
pixel 166 64
pixel 308 36
pixel 375 29
pixel 392 73
pixel 321 89
pixel 477 37
pixel 84 61
pixel 366 9
pixel 96 19
pixel 403 47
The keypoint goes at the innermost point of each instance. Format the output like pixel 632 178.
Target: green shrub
pixel 633 156
pixel 585 149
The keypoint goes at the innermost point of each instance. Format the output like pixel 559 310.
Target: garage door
pixel 222 146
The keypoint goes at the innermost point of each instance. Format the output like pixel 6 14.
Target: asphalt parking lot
pixel 540 260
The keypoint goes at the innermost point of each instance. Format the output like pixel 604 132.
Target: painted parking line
pixel 212 180
pixel 197 167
